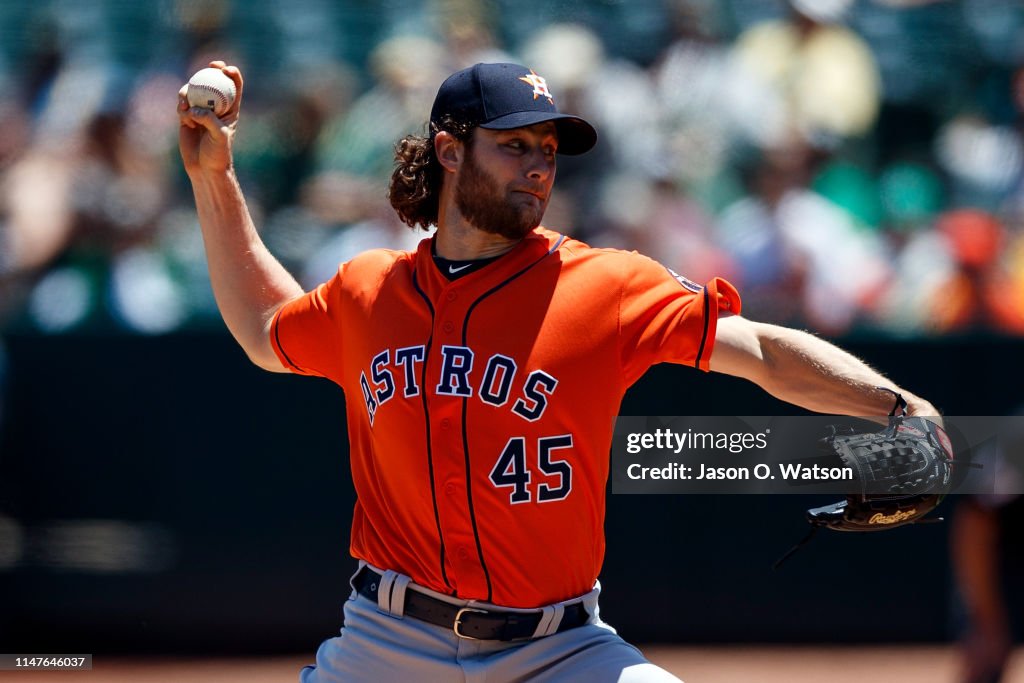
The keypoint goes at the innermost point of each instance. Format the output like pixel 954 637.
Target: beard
pixel 482 203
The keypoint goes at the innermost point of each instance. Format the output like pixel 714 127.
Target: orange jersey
pixel 480 411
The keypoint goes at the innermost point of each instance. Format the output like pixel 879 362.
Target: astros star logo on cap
pixel 540 86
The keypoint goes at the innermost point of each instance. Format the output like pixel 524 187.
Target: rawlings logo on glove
pixel 879 518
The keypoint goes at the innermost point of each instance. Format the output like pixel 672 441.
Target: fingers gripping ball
pixel 211 88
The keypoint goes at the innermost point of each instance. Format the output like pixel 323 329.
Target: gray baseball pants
pixel 378 645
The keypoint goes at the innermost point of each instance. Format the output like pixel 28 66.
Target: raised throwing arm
pixel 249 284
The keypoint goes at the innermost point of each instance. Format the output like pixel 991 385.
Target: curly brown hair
pixel 416 181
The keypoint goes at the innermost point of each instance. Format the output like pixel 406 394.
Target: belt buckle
pixel 458 621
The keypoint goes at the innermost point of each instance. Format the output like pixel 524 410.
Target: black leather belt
pixel 470 622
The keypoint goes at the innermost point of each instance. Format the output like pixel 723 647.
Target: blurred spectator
pixel 983 160
pixel 339 215
pixel 693 80
pixel 806 77
pixel 408 70
pixel 852 164
pixel 980 293
pixel 987 563
pixel 771 270
pixel 910 194
pixel 633 31
pixel 801 249
pixel 923 265
pixel 284 136
pixel 34 228
pixel 468 30
pixel 654 218
pixel 86 201
pixel 979 534
pixel 104 198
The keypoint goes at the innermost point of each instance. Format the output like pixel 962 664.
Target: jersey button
pixel 451 489
pixel 448 326
pixel 463 553
pixel 446 423
pixel 451 296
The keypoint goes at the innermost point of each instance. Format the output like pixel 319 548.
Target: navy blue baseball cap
pixel 506 96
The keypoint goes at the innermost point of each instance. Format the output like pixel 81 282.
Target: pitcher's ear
pixel 449 150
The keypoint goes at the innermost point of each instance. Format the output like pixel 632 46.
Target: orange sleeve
pixel 665 318
pixel 306 333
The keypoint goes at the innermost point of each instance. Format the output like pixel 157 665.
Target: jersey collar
pixel 539 242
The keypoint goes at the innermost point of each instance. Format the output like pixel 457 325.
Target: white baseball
pixel 211 88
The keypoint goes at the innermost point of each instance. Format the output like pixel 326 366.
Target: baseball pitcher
pixel 482 375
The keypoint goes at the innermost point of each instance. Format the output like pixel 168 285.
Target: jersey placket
pixel 449 372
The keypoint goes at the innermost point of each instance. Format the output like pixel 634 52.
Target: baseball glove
pixel 903 472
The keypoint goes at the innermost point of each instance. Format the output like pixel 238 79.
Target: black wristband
pixel 900 406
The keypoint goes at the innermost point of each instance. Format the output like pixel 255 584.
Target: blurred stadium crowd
pixel 852 165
